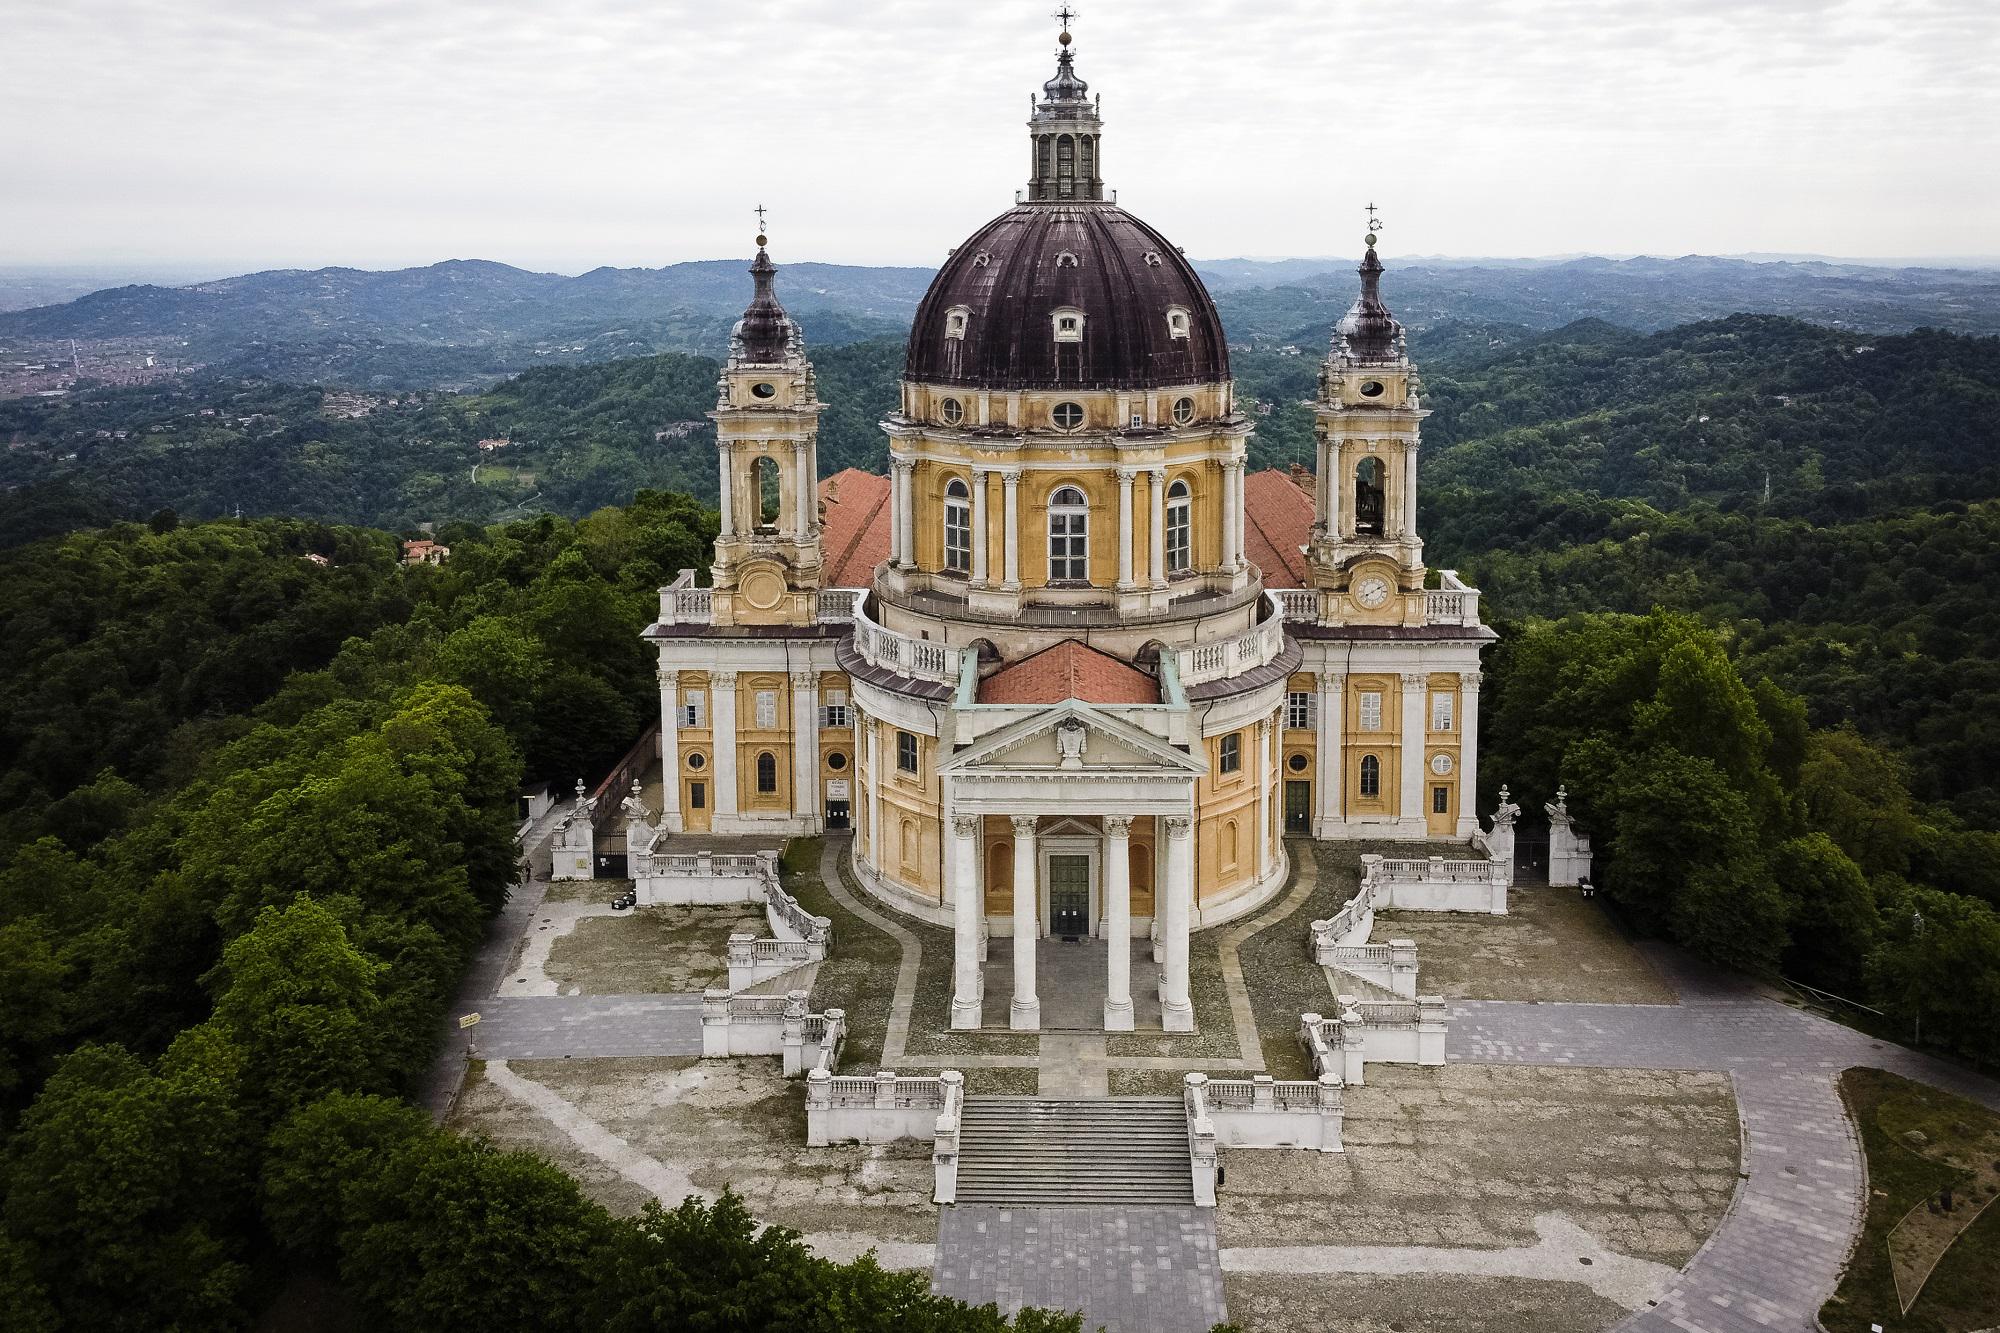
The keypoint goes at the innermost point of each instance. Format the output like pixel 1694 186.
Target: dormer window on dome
pixel 1153 259
pixel 955 320
pixel 1068 324
pixel 1177 321
pixel 1066 259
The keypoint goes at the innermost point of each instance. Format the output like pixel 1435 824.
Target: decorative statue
pixel 1071 741
pixel 1507 812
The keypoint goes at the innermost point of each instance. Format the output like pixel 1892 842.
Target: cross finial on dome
pixel 1063 16
pixel 762 238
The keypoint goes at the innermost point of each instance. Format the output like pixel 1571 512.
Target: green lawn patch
pixel 1963 1292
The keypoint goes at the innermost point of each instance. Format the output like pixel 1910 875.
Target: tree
pixel 320 1155
pixel 1939 968
pixel 1830 913
pixel 1858 794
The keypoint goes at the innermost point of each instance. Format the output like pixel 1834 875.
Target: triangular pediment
pixel 1068 737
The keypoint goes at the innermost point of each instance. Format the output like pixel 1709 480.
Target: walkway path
pixel 1778 1254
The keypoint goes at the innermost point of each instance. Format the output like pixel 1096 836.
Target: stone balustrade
pixel 1392 966
pixel 753 960
pixel 681 603
pixel 1230 657
pixel 813 1041
pixel 1435 885
pixel 1452 602
pixel 1300 604
pixel 1202 1157
pixel 919 659
pixel 1262 1112
pixel 944 1141
pixel 878 1109
pixel 1334 1051
pixel 1403 1032
pixel 836 605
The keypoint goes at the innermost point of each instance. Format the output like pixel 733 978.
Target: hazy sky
pixel 564 134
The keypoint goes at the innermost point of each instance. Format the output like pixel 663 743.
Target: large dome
pixel 1147 320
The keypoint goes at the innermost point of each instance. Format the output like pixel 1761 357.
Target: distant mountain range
pixel 469 321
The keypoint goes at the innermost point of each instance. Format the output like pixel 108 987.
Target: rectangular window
pixel 1371 710
pixel 694 709
pixel 1440 800
pixel 1069 548
pixel 958 538
pixel 767 709
pixel 1301 709
pixel 1441 704
pixel 906 751
pixel 1180 538
pixel 833 713
pixel 697 795
pixel 1232 752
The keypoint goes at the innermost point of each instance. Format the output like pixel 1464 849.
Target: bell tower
pixel 767 556
pixel 1365 556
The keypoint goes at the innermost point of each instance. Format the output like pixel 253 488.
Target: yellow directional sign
pixel 467 1020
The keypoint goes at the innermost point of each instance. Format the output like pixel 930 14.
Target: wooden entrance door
pixel 1298 807
pixel 1069 895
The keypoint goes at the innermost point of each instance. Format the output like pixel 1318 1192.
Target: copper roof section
pixel 1016 272
pixel 1071 669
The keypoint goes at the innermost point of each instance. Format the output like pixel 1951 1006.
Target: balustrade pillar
pixel 1118 923
pixel 1025 1012
pixel 968 907
pixel 1176 1011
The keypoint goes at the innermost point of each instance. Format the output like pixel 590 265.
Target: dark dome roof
pixel 1014 273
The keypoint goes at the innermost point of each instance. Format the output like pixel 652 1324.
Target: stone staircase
pixel 1048 1151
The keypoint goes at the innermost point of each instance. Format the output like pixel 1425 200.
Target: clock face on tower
pixel 1371 590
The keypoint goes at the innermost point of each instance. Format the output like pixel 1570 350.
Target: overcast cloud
pixel 377 133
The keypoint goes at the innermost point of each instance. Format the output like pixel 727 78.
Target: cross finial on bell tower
pixel 1374 225
pixel 1063 16
pixel 762 237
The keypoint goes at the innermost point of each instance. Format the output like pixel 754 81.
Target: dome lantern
pixel 1065 134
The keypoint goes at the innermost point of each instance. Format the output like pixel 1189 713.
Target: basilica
pixel 1070 673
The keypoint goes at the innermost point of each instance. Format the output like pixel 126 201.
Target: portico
pixel 1070 782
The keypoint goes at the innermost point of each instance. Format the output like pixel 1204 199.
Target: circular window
pixel 764 390
pixel 836 761
pixel 1067 416
pixel 1371 388
pixel 952 411
pixel 697 761
pixel 1441 764
pixel 1183 411
pixel 1298 763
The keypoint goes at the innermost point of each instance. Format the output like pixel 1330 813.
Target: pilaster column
pixel 968 906
pixel 1410 489
pixel 1118 923
pixel 875 793
pixel 1176 1010
pixel 722 722
pixel 805 748
pixel 1025 1013
pixel 1232 515
pixel 905 520
pixel 726 494
pixel 1011 519
pixel 670 751
pixel 1330 516
pixel 981 479
pixel 1468 753
pixel 1265 769
pixel 806 486
pixel 1331 761
pixel 1156 531
pixel 1124 530
pixel 1416 686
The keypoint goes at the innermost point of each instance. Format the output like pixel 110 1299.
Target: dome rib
pixel 1012 298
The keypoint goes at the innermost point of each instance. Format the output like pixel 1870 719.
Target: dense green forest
pixel 259 811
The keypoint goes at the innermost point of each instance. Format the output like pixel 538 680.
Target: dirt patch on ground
pixel 651 950
pixel 1553 944
pixel 735 1123
pixel 1469 1155
pixel 1432 1303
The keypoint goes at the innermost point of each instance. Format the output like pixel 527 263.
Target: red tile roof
pixel 1070 670
pixel 854 523
pixel 1277 522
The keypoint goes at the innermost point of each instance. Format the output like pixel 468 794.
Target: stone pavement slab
pixel 1131 1270
pixel 549 1027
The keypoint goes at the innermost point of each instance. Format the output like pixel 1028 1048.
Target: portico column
pixel 726 497
pixel 968 906
pixel 805 748
pixel 670 751
pixel 1176 1011
pixel 1124 530
pixel 1468 753
pixel 1011 520
pixel 980 481
pixel 1415 686
pixel 1232 515
pixel 1330 762
pixel 1025 1013
pixel 722 717
pixel 1156 531
pixel 1118 923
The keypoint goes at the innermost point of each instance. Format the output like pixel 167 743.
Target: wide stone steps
pixel 1048 1151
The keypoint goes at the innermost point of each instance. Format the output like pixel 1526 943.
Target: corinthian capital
pixel 1118 826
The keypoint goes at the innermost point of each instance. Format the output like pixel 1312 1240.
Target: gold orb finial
pixel 1063 37
pixel 762 240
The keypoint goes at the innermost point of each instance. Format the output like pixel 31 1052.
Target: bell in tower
pixel 767 556
pixel 1365 556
